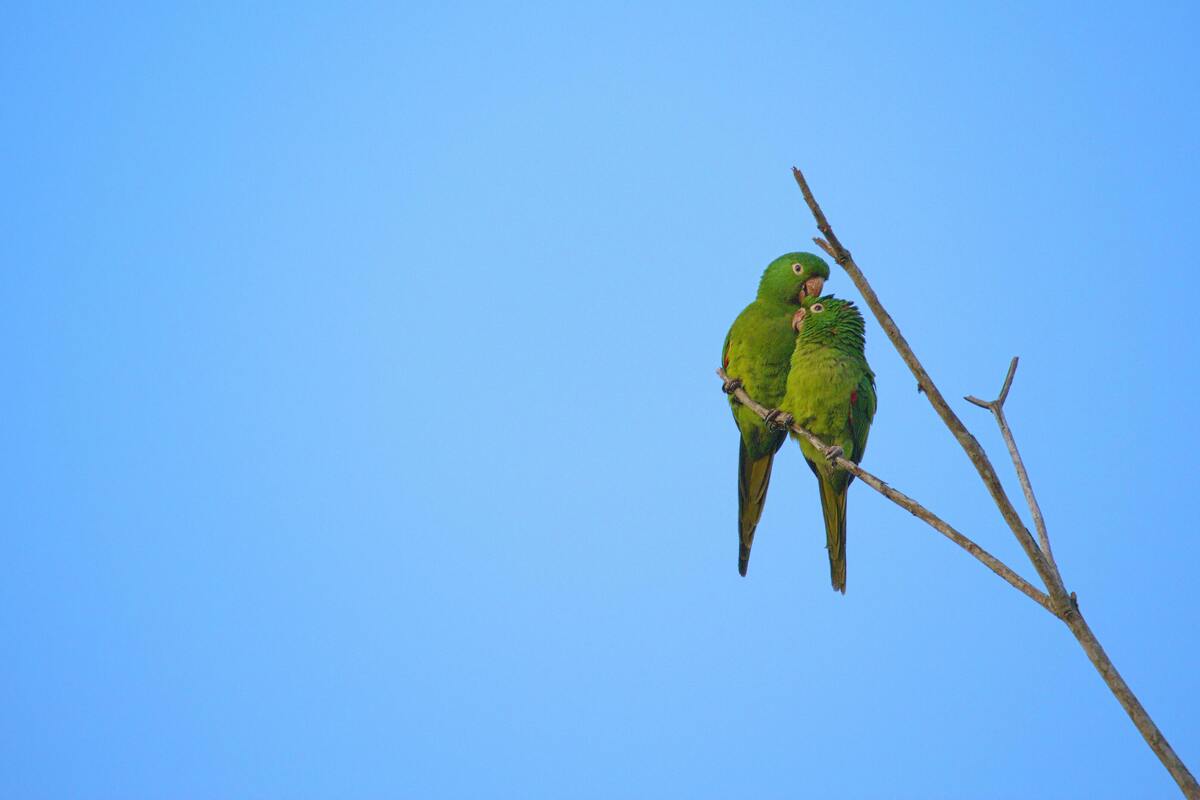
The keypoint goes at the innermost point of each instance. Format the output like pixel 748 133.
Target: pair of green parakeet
pixel 801 353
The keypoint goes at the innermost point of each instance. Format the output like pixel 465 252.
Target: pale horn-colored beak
pixel 812 287
pixel 798 320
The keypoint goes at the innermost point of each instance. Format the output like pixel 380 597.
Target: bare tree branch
pixel 1062 603
pixel 907 503
pixel 1078 625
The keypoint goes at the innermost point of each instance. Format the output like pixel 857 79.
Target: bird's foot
pixel 731 385
pixel 834 452
pixel 778 420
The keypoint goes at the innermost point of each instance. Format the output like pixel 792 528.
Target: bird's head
pixel 793 277
pixel 827 319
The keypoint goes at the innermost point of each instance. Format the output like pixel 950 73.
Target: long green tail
pixel 833 507
pixel 753 478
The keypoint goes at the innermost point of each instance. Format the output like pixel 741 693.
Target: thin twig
pixel 999 401
pixel 908 504
pixel 997 408
pixel 1064 605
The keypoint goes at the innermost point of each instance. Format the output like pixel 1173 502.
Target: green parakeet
pixel 831 392
pixel 757 352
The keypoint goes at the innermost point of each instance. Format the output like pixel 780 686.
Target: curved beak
pixel 812 287
pixel 798 320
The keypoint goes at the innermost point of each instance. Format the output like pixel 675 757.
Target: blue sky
pixel 360 436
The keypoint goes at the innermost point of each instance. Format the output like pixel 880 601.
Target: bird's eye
pixel 816 308
pixel 797 268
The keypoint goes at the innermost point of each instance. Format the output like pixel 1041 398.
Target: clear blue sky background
pixel 360 437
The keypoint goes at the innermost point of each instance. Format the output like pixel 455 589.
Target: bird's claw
pixel 731 385
pixel 778 420
pixel 834 452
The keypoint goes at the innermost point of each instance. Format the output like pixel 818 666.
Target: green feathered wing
pixel 757 352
